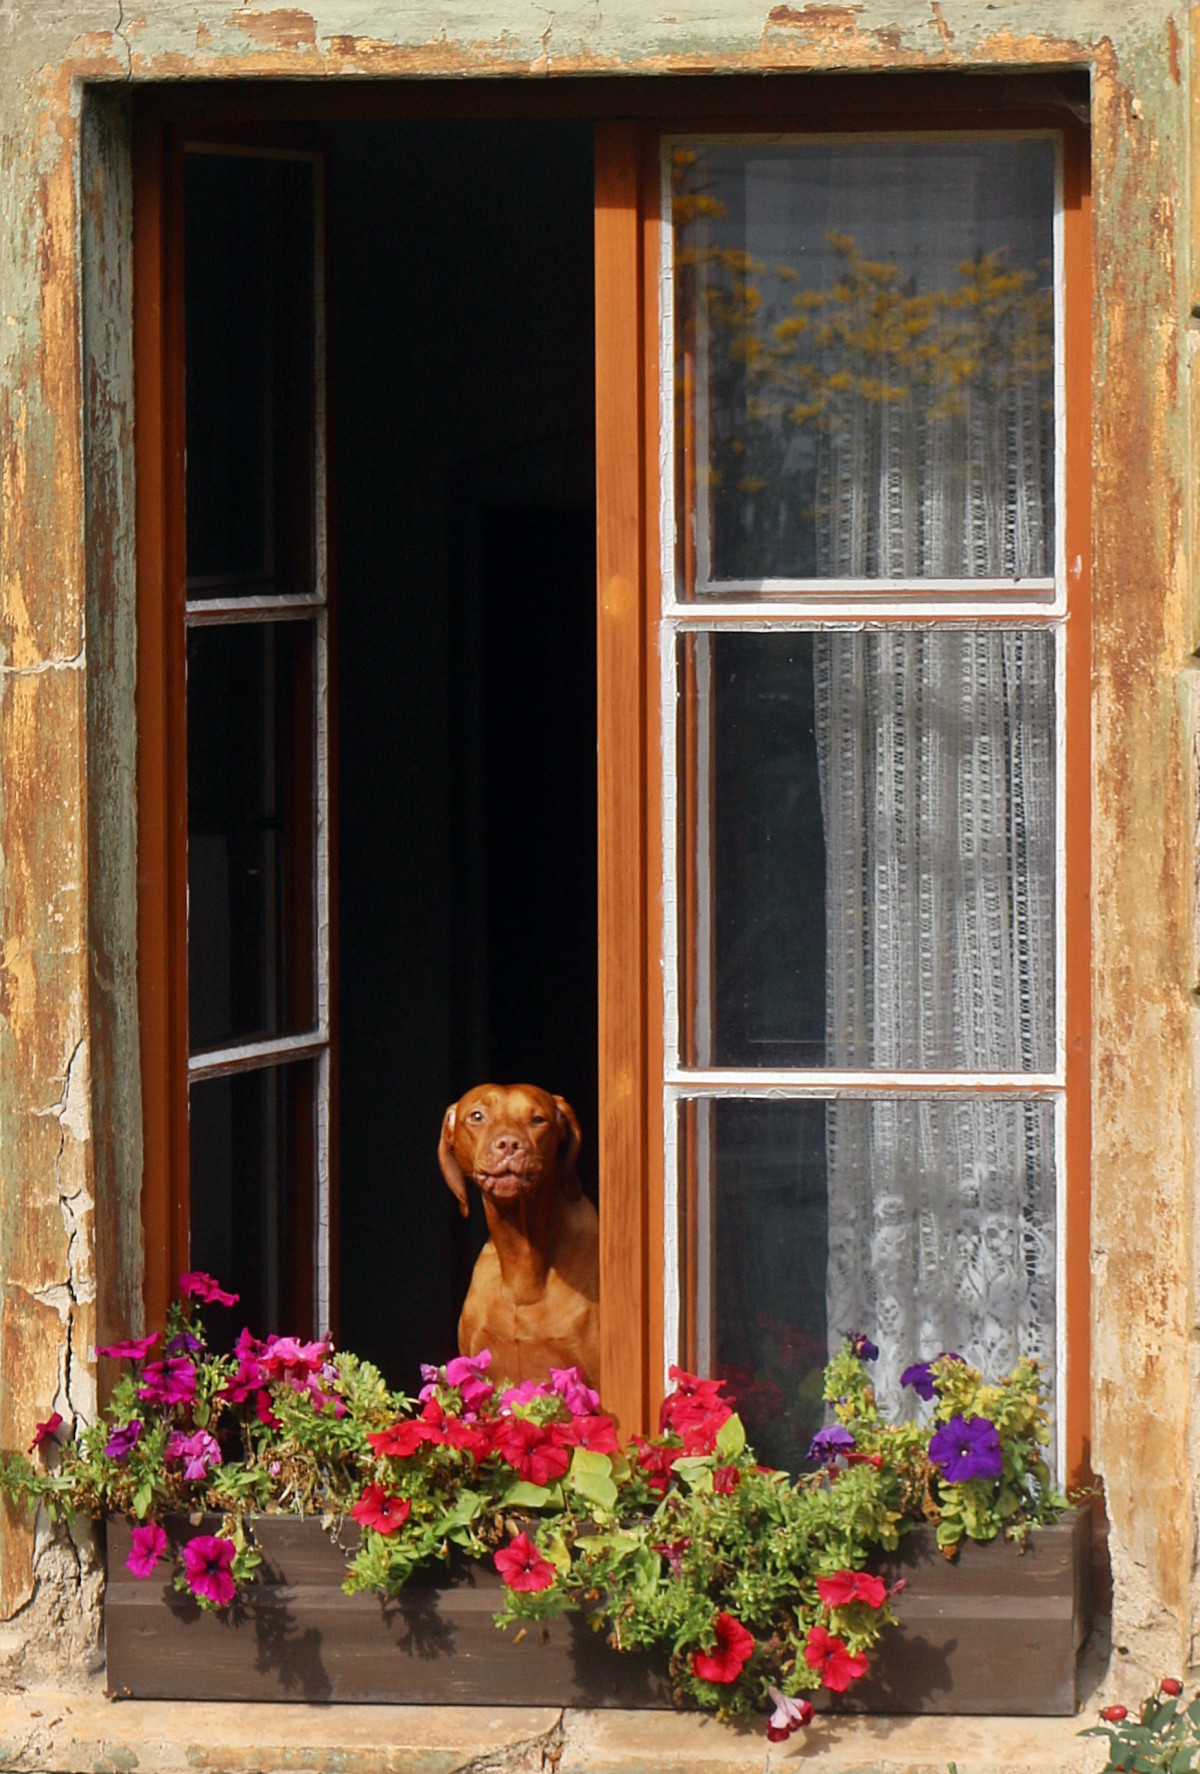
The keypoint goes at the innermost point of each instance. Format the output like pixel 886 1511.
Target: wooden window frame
pixel 630 117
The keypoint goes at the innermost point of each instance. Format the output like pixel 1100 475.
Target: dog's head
pixel 511 1139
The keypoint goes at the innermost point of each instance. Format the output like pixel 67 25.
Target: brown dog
pixel 534 1295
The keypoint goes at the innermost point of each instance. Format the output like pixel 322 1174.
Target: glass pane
pixel 868 849
pixel 250 359
pixel 930 1225
pixel 252 1194
pixel 250 832
pixel 864 361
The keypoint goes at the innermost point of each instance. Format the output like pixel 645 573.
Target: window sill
pixel 59 1732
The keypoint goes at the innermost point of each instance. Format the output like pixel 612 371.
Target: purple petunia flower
pixel 122 1441
pixel 863 1347
pixel 920 1375
pixel 829 1442
pixel 184 1343
pixel 966 1448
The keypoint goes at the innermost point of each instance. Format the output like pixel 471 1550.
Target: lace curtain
pixel 936 761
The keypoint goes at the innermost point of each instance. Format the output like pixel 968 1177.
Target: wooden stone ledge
pixel 83 1733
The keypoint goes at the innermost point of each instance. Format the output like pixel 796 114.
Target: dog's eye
pixel 475 1115
pixel 537 1121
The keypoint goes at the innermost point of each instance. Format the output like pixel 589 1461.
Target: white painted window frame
pixel 777 605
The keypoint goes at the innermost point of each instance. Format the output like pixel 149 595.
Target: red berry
pixel 1112 1715
pixel 1171 1685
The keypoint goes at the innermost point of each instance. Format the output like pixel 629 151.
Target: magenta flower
pixel 829 1442
pixel 47 1431
pixel 789 1715
pixel 574 1391
pixel 122 1441
pixel 920 1375
pixel 148 1545
pixel 168 1382
pixel 199 1286
pixel 206 1562
pixel 134 1351
pixel 966 1448
pixel 466 1372
pixel 525 1393
pixel 863 1347
pixel 286 1358
pixel 198 1452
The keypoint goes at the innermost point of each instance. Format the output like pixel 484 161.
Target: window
pixel 863 654
pixel 839 506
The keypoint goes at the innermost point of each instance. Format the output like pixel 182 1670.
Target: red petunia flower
pixel 733 1651
pixel 656 1464
pixel 694 1404
pixel 376 1509
pixel 402 1440
pixel 851 1586
pixel 522 1566
pixel 597 1434
pixel 529 1449
pixel 726 1480
pixel 790 1715
pixel 837 1666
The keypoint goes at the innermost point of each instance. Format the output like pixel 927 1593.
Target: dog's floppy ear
pixel 571 1139
pixel 456 1182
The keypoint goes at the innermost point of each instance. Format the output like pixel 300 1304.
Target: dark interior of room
pixel 461 305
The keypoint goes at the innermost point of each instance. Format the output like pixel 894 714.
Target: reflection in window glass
pixel 929 1225
pixel 864 360
pixel 868 848
pixel 250 1135
pixel 250 838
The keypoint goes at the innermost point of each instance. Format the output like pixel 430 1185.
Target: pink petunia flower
pixel 376 1509
pixel 148 1545
pixel 199 1286
pixel 838 1667
pixel 574 1391
pixel 525 1393
pixel 733 1650
pixel 466 1372
pixel 522 1566
pixel 198 1452
pixel 168 1382
pixel 789 1715
pixel 130 1351
pixel 47 1431
pixel 852 1586
pixel 207 1561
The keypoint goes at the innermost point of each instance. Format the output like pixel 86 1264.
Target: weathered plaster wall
pixel 68 1129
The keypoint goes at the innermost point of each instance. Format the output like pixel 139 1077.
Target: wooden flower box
pixel 995 1632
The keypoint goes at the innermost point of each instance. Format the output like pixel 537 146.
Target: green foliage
pixel 681 1544
pixel 1163 1739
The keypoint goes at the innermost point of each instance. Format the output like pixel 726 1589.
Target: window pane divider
pixel 217 611
pixel 789 1082
pixel 254 1056
pixel 752 614
pixel 927 586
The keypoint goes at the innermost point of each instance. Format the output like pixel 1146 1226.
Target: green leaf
pixel 731 1439
pixel 465 1508
pixel 142 1499
pixel 523 1495
pixel 591 1477
pixel 695 1471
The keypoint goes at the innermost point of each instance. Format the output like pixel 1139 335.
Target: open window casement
pixel 841 744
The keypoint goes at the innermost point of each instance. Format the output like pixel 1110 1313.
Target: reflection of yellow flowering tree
pixel 852 366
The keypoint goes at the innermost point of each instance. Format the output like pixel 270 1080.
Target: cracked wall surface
pixel 70 1160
